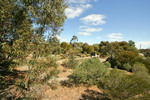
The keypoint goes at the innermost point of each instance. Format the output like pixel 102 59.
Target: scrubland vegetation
pixel 125 75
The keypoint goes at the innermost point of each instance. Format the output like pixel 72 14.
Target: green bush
pixel 42 70
pixel 120 86
pixel 89 72
pixel 127 67
pixel 107 64
pixel 145 61
pixel 71 62
pixel 140 70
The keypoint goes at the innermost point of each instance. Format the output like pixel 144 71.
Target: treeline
pixel 122 55
pixel 99 49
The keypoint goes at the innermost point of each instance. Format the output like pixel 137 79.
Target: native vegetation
pixel 125 75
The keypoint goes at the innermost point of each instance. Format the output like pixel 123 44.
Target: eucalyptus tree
pixel 23 23
pixel 73 39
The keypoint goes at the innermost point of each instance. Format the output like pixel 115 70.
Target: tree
pixel 119 53
pixel 102 47
pixel 74 39
pixel 15 32
pixel 65 46
pixel 18 37
pixel 131 43
pixel 96 47
pixel 18 17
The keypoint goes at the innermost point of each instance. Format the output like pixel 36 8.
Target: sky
pixel 93 21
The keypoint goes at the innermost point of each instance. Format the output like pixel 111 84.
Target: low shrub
pixel 71 62
pixel 89 72
pixel 127 67
pixel 120 86
pixel 140 70
pixel 145 61
pixel 107 64
pixel 42 70
pixel 39 73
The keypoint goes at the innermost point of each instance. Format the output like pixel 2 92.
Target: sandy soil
pixel 74 93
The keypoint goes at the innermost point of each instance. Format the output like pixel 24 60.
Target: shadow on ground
pixel 93 95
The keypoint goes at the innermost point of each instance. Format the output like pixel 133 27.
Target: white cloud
pixel 144 44
pixel 87 29
pixel 84 33
pixel 60 38
pixel 72 12
pixel 82 27
pixel 98 37
pixel 115 36
pixel 94 19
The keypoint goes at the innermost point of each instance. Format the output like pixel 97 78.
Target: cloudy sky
pixel 93 21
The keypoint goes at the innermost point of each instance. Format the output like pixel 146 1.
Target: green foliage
pixel 96 48
pixel 74 39
pixel 42 70
pixel 126 57
pixel 131 43
pixel 19 39
pixel 127 67
pixel 87 48
pixel 120 53
pixel 145 61
pixel 71 62
pixel 39 73
pixel 89 72
pixel 120 86
pixel 65 47
pixel 140 70
pixel 107 64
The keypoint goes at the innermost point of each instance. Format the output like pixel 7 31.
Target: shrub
pixel 140 70
pixel 146 62
pixel 120 86
pixel 39 72
pixel 42 70
pixel 107 64
pixel 71 63
pixel 89 72
pixel 126 57
pixel 127 67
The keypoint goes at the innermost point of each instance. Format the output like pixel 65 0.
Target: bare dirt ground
pixel 74 93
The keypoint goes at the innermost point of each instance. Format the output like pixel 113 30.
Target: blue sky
pixel 93 21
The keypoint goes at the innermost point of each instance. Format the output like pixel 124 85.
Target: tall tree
pixel 131 43
pixel 74 39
